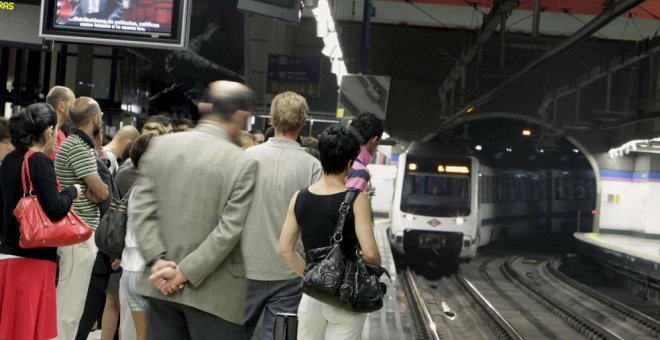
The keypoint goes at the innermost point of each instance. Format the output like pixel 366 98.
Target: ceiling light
pixel 526 132
pixel 541 150
pixel 576 151
pixel 509 150
pixel 470 109
pixel 478 147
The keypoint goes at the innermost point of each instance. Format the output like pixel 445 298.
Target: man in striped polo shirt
pixel 75 163
pixel 368 129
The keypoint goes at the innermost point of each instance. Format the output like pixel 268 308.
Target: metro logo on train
pixel 6 6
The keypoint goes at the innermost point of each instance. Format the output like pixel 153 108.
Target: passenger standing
pixel 104 266
pixel 124 137
pixel 5 139
pixel 284 168
pixel 183 124
pixel 61 98
pixel 312 216
pixel 27 276
pixel 76 164
pixel 259 137
pixel 190 202
pixel 368 129
pixel 134 307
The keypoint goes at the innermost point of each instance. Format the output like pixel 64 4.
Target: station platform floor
pixel 393 321
pixel 637 254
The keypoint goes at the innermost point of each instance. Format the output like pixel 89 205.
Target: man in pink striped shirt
pixel 368 129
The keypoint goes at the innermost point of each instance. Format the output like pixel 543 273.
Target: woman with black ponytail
pixel 27 276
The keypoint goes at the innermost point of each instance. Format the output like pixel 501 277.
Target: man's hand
pixel 115 264
pixel 167 277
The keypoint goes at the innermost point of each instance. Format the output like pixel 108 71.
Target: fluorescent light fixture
pixel 637 145
pixel 412 166
pixel 325 28
pixel 478 147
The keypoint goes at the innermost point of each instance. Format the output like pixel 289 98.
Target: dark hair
pixel 160 119
pixel 4 129
pixel 139 147
pixel 367 126
pixel 183 121
pixel 337 146
pixel 270 132
pixel 28 126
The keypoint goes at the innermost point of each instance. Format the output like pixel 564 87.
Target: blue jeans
pixel 269 297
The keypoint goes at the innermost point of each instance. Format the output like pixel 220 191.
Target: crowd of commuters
pixel 217 219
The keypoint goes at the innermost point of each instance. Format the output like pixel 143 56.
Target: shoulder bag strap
pixel 343 210
pixel 25 173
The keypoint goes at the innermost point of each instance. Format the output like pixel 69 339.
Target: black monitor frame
pixel 178 39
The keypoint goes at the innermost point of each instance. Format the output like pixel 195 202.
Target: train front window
pixel 443 195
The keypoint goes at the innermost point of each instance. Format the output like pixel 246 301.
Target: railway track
pixel 518 298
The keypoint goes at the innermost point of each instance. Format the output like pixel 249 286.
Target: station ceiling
pixel 597 81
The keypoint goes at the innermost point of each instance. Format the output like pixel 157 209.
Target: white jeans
pixel 76 264
pixel 319 320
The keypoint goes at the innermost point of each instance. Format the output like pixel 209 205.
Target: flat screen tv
pixel 142 23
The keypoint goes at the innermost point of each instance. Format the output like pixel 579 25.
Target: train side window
pixel 581 188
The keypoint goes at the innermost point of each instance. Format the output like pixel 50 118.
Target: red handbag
pixel 37 230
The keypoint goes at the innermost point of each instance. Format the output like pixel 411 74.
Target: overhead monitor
pixel 287 10
pixel 141 23
pixel 17 28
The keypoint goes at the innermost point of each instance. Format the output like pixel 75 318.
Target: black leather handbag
pixel 111 233
pixel 331 277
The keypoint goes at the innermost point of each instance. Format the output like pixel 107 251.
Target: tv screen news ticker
pixel 148 17
pixel 141 23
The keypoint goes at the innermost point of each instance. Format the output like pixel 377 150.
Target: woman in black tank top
pixel 312 216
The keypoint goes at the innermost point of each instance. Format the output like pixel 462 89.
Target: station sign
pixel 292 73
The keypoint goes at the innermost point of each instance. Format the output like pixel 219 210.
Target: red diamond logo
pixel 434 222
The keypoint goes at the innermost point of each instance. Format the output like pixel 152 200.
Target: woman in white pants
pixel 313 214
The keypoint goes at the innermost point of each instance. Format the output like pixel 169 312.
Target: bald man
pixel 60 98
pixel 124 137
pixel 203 181
pixel 75 163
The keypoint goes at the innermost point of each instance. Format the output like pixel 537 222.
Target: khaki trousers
pixel 76 263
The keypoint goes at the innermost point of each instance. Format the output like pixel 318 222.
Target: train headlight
pixel 409 218
pixel 460 220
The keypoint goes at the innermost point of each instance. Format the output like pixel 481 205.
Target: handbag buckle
pixel 336 238
pixel 343 208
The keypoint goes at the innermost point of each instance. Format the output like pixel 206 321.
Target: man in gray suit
pixel 190 201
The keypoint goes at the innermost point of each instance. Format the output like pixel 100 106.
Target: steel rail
pixel 501 325
pixel 640 320
pixel 416 300
pixel 583 324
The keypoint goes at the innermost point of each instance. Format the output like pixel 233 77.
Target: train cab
pixel 434 215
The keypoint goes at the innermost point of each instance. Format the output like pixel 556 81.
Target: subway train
pixel 447 203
